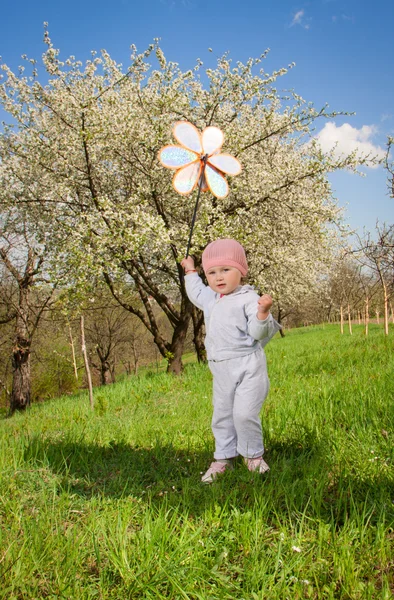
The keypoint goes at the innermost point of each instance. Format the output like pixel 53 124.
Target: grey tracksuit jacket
pixel 234 342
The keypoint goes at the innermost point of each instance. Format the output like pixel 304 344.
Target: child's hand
pixel 264 305
pixel 188 264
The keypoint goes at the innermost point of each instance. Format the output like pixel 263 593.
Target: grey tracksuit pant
pixel 240 386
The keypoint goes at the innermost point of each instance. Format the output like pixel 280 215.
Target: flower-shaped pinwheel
pixel 198 160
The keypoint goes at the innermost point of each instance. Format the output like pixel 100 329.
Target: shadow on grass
pixel 299 482
pixel 157 473
pixel 115 470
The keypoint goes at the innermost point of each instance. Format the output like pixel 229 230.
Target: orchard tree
pixel 138 349
pixel 85 148
pixel 344 287
pixel 377 255
pixel 369 287
pixel 109 334
pixel 24 261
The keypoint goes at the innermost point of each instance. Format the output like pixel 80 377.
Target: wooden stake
pixel 73 351
pixel 349 318
pixel 386 310
pixel 366 315
pixel 85 358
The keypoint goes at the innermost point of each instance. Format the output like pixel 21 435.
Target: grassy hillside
pixel 109 504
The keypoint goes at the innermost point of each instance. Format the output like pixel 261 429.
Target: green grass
pixel 109 504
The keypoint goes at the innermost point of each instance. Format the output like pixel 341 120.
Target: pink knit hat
pixel 225 253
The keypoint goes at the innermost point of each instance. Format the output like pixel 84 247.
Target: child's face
pixel 223 280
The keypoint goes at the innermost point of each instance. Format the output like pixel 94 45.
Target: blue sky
pixel 343 52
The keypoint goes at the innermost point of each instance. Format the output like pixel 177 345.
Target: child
pixel 238 324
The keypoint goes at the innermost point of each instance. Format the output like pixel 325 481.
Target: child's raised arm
pixel 197 292
pixel 261 324
pixel 188 265
pixel 264 305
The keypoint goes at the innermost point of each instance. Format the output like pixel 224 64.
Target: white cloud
pixel 297 19
pixel 342 17
pixel 348 139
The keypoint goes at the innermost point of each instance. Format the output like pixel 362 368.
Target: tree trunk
pixel 136 364
pixel 341 313
pixel 105 367
pixel 279 320
pixel 105 373
pixel 21 382
pixel 178 339
pixel 199 335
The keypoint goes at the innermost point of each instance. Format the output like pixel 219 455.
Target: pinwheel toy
pixel 198 162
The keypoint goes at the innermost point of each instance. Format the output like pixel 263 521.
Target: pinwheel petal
pixel 174 157
pixel 212 140
pixel 185 180
pixel 216 182
pixel 188 136
pixel 226 163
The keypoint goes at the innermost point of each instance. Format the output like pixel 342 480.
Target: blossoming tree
pixel 84 146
